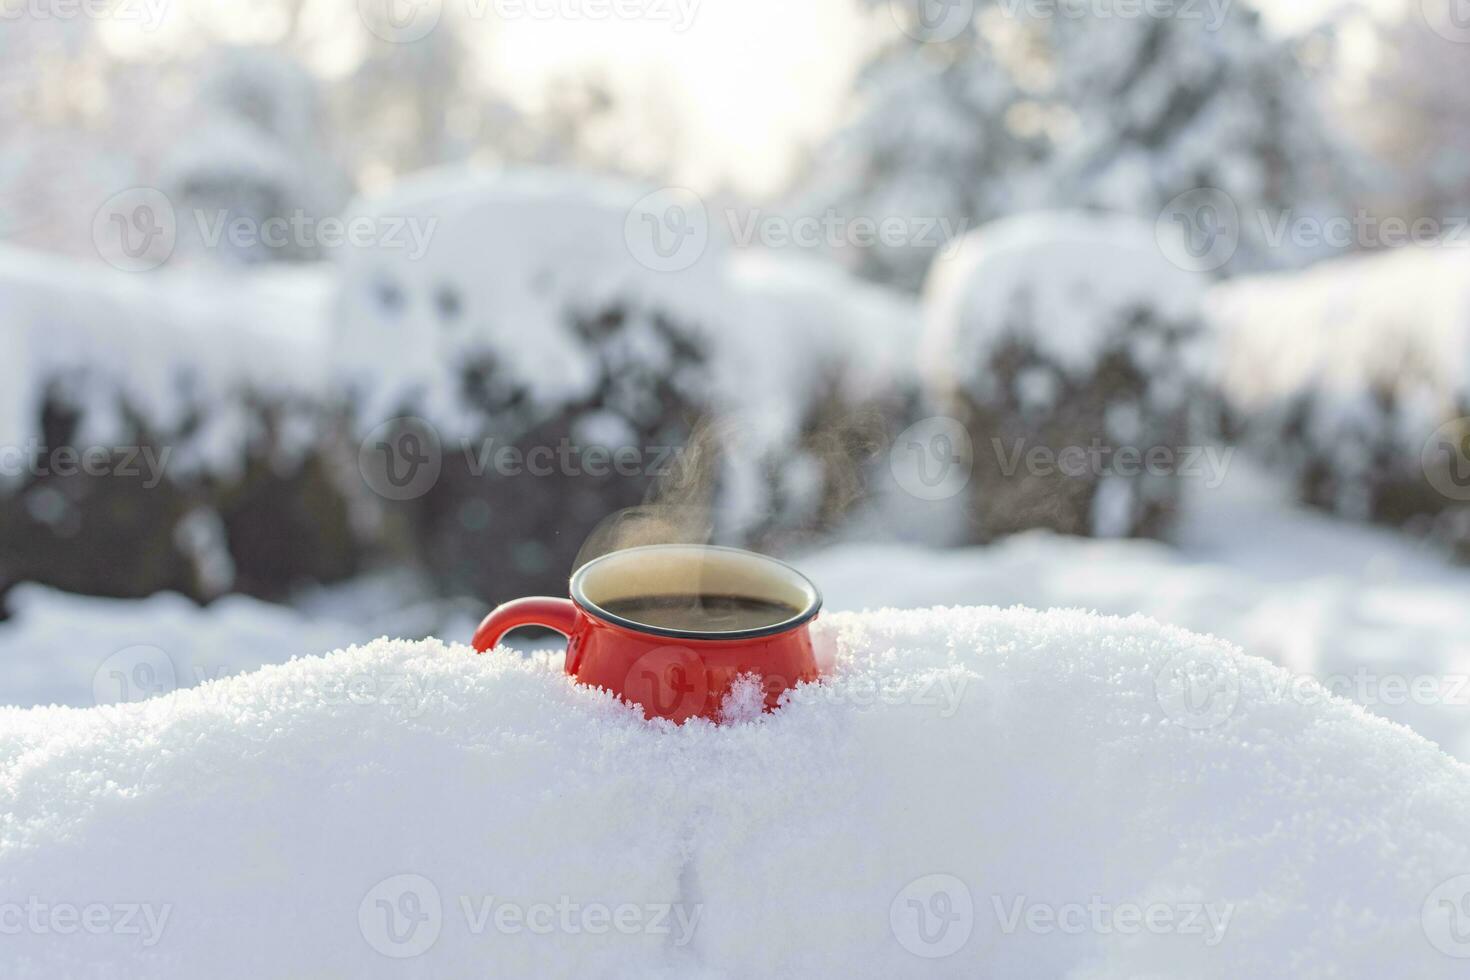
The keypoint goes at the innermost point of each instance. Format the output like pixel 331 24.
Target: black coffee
pixel 703 613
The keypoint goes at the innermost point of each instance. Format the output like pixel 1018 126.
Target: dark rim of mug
pixel 597 612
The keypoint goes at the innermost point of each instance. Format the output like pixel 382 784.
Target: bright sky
pixel 751 81
pixel 748 83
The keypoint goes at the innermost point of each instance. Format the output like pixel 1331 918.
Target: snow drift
pixel 971 792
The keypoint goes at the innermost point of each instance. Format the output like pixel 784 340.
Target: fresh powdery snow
pixel 970 792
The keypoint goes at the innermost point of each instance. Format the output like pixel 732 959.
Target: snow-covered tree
pixel 256 149
pixel 1021 110
pixel 1415 113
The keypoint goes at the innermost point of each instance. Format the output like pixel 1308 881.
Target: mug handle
pixel 554 614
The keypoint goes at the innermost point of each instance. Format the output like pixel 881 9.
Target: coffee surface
pixel 703 613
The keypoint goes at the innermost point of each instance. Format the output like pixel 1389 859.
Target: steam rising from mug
pixel 834 449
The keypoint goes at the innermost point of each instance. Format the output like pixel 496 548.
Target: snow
pixel 494 262
pixel 1066 279
pixel 81 650
pixel 800 321
pixel 163 343
pixel 511 257
pixel 1359 609
pixel 1342 331
pixel 486 816
pixel 522 249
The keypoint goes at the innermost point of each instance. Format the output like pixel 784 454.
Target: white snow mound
pixel 960 773
pixel 1066 277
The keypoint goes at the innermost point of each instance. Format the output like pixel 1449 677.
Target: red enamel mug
pixel 681 662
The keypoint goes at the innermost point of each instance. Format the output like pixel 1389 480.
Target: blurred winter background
pixel 327 319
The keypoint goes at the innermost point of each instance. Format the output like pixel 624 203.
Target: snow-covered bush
pixel 1069 349
pixel 165 431
pixel 822 372
pixel 995 107
pixel 532 321
pixel 1354 377
pixel 526 334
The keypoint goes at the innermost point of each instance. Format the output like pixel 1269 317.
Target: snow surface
pixel 65 649
pixel 958 761
pixel 1360 609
